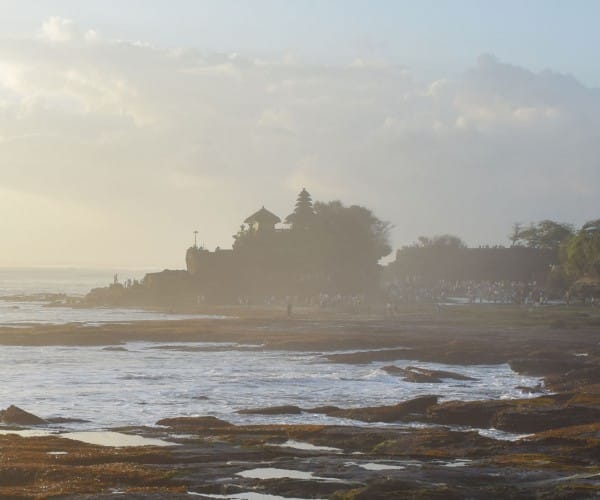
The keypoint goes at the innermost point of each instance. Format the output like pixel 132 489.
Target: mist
pixel 113 152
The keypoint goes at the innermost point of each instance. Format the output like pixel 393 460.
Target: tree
pixel 515 236
pixel 547 234
pixel 581 257
pixel 350 240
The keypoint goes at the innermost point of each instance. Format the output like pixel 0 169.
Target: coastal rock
pixel 538 367
pixel 537 389
pixel 585 377
pixel 439 443
pixel 424 375
pixel 527 421
pixel 272 410
pixel 472 413
pixel 393 413
pixel 194 423
pixel 16 416
pixel 66 420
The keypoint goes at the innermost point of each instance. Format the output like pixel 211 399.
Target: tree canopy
pixel 581 257
pixel 546 234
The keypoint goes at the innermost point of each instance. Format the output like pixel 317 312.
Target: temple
pixel 266 260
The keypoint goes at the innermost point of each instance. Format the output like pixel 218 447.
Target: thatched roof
pixel 263 216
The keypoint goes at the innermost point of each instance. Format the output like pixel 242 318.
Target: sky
pixel 125 126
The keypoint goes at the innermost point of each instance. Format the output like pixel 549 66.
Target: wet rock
pixel 384 488
pixel 439 443
pixel 295 488
pixel 532 390
pixel 586 376
pixel 194 423
pixel 520 415
pixel 526 421
pixel 411 375
pixel 405 410
pixel 324 410
pixel 16 416
pixel 66 420
pixel 539 367
pixel 419 375
pixel 272 410
pixel 471 413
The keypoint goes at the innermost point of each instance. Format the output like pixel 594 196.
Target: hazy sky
pixel 125 125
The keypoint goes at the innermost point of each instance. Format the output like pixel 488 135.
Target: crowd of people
pixel 500 292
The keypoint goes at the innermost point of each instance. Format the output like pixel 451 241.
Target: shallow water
pixel 376 466
pixel 73 282
pixel 247 495
pixel 32 312
pixel 114 439
pixel 101 438
pixel 300 445
pixel 142 384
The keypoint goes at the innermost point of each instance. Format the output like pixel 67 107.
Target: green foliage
pixel 546 234
pixel 581 257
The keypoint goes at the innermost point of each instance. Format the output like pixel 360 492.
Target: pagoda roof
pixel 263 216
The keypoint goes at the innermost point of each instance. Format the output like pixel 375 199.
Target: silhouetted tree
pixel 546 234
pixel 351 240
pixel 515 236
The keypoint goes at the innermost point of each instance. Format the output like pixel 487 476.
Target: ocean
pixel 74 282
pixel 142 382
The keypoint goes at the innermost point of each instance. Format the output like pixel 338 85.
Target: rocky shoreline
pixel 418 448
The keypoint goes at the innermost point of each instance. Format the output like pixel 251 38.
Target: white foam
pixel 143 384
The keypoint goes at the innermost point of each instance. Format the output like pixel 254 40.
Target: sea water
pixel 29 282
pixel 148 381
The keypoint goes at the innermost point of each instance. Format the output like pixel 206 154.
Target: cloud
pixel 163 141
pixel 58 29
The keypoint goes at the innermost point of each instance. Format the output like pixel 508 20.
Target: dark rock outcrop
pixel 272 410
pixel 539 420
pixel 194 423
pixel 66 420
pixel 16 416
pixel 407 410
pixel 472 413
pixel 538 367
pixel 423 375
